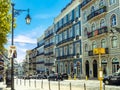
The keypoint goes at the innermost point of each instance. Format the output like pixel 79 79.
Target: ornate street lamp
pixel 16 12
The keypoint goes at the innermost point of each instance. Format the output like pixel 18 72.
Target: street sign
pixel 12 52
pixel 99 50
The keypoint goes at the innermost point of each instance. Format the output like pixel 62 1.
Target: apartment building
pixel 49 48
pixel 40 58
pixel 68 40
pixel 100 29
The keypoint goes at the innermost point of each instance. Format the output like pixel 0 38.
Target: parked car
pixel 1 78
pixel 55 77
pixel 112 79
pixel 41 76
pixel 65 76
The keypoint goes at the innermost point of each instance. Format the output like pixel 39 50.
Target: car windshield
pixel 116 74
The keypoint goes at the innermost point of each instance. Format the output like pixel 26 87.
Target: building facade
pixel 68 40
pixel 40 58
pixel 49 48
pixel 100 21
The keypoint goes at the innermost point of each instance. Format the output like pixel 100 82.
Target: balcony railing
pixel 65 25
pixel 65 41
pixel 98 32
pixel 90 53
pixel 97 12
pixel 51 34
pixel 65 56
pixel 84 3
pixel 48 45
pixel 49 64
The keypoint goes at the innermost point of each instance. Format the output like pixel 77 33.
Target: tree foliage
pixel 5 21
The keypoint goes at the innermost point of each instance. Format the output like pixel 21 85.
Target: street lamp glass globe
pixel 28 19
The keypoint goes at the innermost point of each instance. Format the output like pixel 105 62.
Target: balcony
pixel 97 14
pixel 87 3
pixel 51 34
pixel 65 56
pixel 40 62
pixel 98 32
pixel 90 53
pixel 48 45
pixel 65 41
pixel 64 26
pixel 49 64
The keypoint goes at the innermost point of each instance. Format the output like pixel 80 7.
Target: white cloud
pixel 24 39
pixel 27 41
pixel 45 16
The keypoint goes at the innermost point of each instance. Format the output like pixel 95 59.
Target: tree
pixel 5 21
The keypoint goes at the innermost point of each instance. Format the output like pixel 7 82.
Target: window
pixel 102 23
pixel 65 50
pixel 70 16
pixel 113 20
pixel 76 12
pixel 57 50
pixel 93 27
pixel 65 34
pixel 77 48
pixel 85 32
pixel 64 20
pixel 70 49
pixel 60 23
pixel 101 3
pixel 92 9
pixel 94 45
pixel 114 42
pixel 103 43
pixel 84 16
pixel 56 39
pixel 112 2
pixel 77 29
pixel 70 32
pixel 61 52
pixel 115 65
pixel 86 47
pixel 60 37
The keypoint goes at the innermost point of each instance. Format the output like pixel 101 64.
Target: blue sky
pixel 42 13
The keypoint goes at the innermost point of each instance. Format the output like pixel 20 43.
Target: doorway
pixel 95 68
pixel 87 68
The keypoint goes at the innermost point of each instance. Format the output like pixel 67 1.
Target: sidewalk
pixel 18 87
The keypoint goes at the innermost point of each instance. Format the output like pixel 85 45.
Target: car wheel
pixel 106 82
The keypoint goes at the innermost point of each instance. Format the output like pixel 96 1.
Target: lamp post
pixel 28 19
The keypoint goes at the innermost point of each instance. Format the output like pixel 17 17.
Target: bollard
pixel 20 81
pixel 17 81
pixel 49 84
pixel 24 81
pixel 42 83
pixel 58 84
pixel 35 83
pixel 84 86
pixel 75 77
pixel 29 82
pixel 103 86
pixel 86 77
pixel 70 86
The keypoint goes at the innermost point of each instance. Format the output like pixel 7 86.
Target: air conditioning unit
pixel 80 37
pixel 74 56
pixel 74 39
pixel 73 22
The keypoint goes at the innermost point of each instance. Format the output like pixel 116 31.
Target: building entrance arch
pixel 95 68
pixel 87 68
